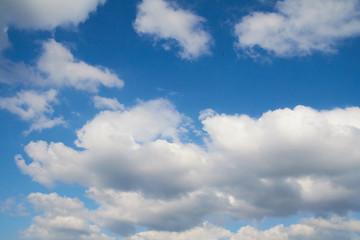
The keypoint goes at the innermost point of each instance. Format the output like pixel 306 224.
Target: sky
pixel 168 119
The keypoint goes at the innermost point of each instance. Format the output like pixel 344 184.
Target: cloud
pixel 43 15
pixel 107 103
pixel 129 144
pixel 12 207
pixel 68 218
pixel 299 28
pixel 16 73
pixel 121 212
pixel 63 218
pixel 61 69
pixel 206 231
pixel 33 107
pixel 164 20
pixel 142 171
pixel 57 67
pixel 311 228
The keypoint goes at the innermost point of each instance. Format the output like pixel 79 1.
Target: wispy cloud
pixel 107 103
pixel 34 107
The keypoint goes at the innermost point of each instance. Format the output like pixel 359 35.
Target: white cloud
pixel 312 228
pixel 142 172
pixel 107 103
pixel 122 211
pixel 68 218
pixel 62 69
pixel 33 107
pixel 57 67
pixel 63 218
pixel 164 20
pixel 299 28
pixel 126 141
pixel 206 231
pixel 333 228
pixel 43 14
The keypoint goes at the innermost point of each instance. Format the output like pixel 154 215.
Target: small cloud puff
pixel 162 20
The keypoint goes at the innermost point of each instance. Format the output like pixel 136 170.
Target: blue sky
pixel 157 119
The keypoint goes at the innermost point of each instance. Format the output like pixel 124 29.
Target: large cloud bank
pixel 139 168
pixel 299 27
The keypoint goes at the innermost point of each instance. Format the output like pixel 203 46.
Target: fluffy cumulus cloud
pixel 67 218
pixel 34 107
pixel 43 15
pixel 164 20
pixel 138 166
pixel 63 218
pixel 298 28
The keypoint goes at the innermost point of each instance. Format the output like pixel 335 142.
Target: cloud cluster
pixel 312 228
pixel 164 20
pixel 34 107
pixel 55 68
pixel 42 15
pixel 63 218
pixel 140 171
pixel 299 28
pixel 67 218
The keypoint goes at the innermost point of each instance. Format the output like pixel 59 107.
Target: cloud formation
pixel 107 103
pixel 164 20
pixel 333 228
pixel 42 15
pixel 61 69
pixel 63 218
pixel 299 28
pixel 34 107
pixel 56 67
pixel 67 218
pixel 140 170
